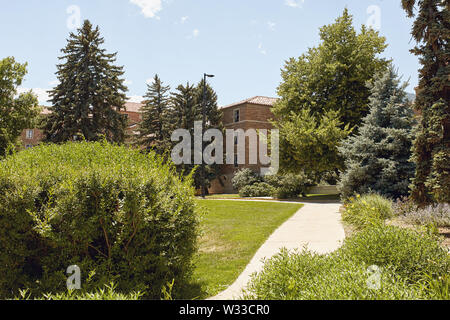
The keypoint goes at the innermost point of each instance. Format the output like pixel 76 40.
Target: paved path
pixel 316 225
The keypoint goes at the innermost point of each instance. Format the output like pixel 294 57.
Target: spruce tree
pixel 154 130
pixel 378 158
pixel 431 30
pixel 90 94
pixel 187 108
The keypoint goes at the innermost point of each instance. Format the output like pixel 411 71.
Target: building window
pixel 236 163
pixel 237 115
pixel 30 134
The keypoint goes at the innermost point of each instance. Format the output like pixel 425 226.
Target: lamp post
pixel 203 175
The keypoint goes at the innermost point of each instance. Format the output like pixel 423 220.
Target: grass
pixel 309 197
pixel 232 232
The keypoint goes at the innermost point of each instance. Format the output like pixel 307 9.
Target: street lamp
pixel 203 176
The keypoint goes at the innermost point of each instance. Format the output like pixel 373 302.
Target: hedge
pixel 108 209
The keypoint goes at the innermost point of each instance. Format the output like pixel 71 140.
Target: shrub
pixel 366 210
pixel 107 293
pixel 437 215
pixel 307 276
pixel 407 252
pixel 288 186
pixel 109 209
pixel 259 189
pixel 412 266
pixel 245 177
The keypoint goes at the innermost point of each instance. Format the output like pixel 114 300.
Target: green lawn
pixel 232 232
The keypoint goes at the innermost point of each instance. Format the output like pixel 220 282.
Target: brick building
pixel 253 113
pixel 32 137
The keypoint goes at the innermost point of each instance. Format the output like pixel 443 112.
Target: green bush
pixel 307 276
pixel 259 189
pixel 366 210
pixel 107 293
pixel 244 178
pixel 412 266
pixel 109 209
pixel 407 252
pixel 288 186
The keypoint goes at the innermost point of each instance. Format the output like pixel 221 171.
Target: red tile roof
pixel 259 100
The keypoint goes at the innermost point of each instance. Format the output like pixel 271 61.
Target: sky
pixel 244 43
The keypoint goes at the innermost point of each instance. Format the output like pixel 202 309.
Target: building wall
pixel 252 116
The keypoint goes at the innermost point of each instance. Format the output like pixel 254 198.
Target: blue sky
pixel 243 42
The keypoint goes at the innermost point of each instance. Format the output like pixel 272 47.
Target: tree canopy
pixel 16 112
pixel 90 94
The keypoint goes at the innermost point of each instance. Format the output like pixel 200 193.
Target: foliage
pixel 431 30
pixel 333 75
pixel 367 210
pixel 245 177
pixel 378 158
pixel 409 253
pixel 16 113
pixel 187 108
pixel 90 94
pixel 308 276
pixel 258 189
pixel 108 209
pixel 155 128
pixel 107 293
pixel 412 265
pixel 437 215
pixel 310 144
pixel 288 186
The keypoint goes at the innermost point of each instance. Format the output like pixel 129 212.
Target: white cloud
pixel 294 3
pixel 41 94
pixel 184 19
pixel 271 25
pixel 261 49
pixel 149 7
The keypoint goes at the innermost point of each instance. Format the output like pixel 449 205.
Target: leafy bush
pixel 107 293
pixel 259 189
pixel 412 265
pixel 245 177
pixel 366 210
pixel 307 276
pixel 437 215
pixel 288 186
pixel 407 252
pixel 109 209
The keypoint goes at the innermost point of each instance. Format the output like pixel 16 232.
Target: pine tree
pixel 431 30
pixel 90 94
pixel 154 131
pixel 378 158
pixel 187 108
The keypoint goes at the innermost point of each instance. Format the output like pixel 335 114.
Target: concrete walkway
pixel 316 225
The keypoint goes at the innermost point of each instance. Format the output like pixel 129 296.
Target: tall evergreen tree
pixel 431 30
pixel 154 130
pixel 90 94
pixel 378 157
pixel 187 107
